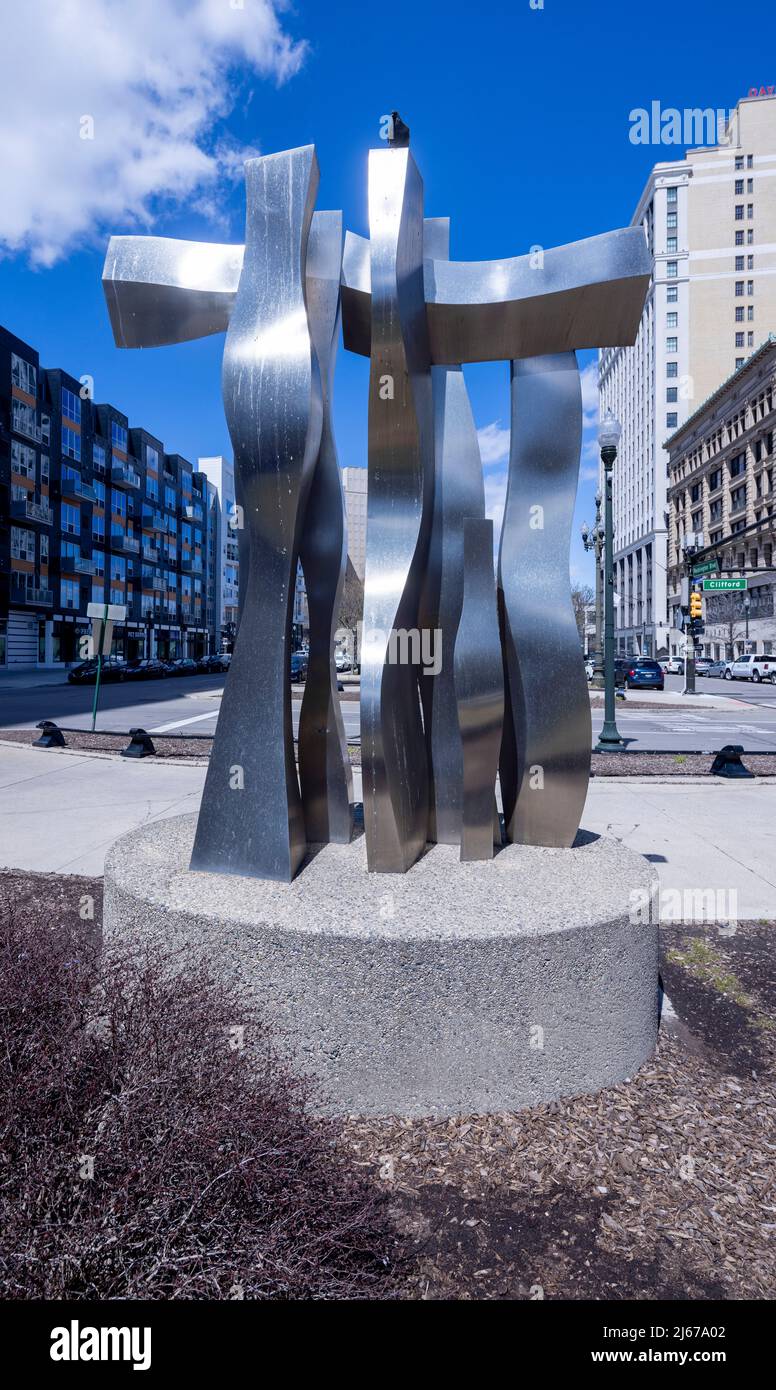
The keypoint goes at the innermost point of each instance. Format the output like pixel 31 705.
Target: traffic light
pixel 696 604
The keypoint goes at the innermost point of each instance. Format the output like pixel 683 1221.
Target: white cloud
pixel 154 76
pixel 494 443
pixel 589 379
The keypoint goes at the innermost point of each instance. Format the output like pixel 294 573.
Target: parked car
pixel 673 666
pixel 702 665
pixel 211 665
pixel 717 668
pixel 182 666
pixel 298 666
pixel 342 661
pixel 644 673
pixel 589 669
pixel 622 665
pixel 145 670
pixel 114 668
pixel 751 668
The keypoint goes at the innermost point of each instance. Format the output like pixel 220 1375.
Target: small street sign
pixel 705 567
pixel 723 585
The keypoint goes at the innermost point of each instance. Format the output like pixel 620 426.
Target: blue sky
pixel 520 127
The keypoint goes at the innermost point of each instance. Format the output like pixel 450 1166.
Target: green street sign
pixel 707 567
pixel 723 585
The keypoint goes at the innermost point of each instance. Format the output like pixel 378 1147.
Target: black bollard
pixel 51 736
pixel 727 762
pixel 140 746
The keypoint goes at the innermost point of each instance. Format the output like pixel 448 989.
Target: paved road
pixel 191 704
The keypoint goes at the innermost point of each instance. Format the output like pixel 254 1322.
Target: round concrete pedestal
pixel 454 988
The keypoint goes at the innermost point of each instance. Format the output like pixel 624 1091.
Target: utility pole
pixel 608 439
pixel 596 544
pixel 692 608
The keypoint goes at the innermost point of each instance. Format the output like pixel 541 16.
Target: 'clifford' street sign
pixel 723 585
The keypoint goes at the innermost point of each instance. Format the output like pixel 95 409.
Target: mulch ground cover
pixel 602 764
pixel 661 1187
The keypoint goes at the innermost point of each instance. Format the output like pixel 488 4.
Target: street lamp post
pixel 608 439
pixel 747 606
pixel 595 542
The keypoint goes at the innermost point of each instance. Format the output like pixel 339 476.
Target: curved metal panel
pixel 251 819
pixel 324 766
pixel 458 492
pixel 545 763
pixel 162 290
pixel 479 689
pixel 401 453
pixel 580 295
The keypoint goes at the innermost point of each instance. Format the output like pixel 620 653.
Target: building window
pixel 98 455
pixel 672 345
pixel 739 161
pixel 98 557
pixel 739 238
pixel 70 593
pixel 739 186
pixel 739 362
pixel 750 210
pixel 118 435
pixel 750 313
pixel 739 287
pixel 22 544
pixel 671 221
pixel 672 269
pixel 22 459
pixel 750 287
pixel 750 262
pixel 739 212
pixel 44 468
pixel 750 340
pixel 44 544
pixel 671 419
pixel 672 369
pixel 23 419
pixel 672 294
pixel 672 320
pixel 71 405
pixel 71 520
pixel 750 185
pixel 749 236
pixel 739 313
pixel 99 491
pixel 671 245
pixel 24 375
pixel 71 443
pixel 152 457
pixel 671 194
pixel 98 526
pixel 739 262
pixel 739 340
pixel 118 503
pixel 749 161
pixel 671 394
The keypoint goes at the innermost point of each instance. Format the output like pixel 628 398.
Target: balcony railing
pixel 32 511
pixel 153 520
pixel 151 554
pixel 128 543
pixel 124 475
pixel 85 567
pixel 38 598
pixel 71 488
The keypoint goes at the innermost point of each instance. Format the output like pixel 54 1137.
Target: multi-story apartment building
pixel 91 510
pixel 721 485
pixel 354 482
pixel 220 473
pixel 710 223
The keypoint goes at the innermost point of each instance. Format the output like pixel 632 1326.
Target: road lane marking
pixel 179 723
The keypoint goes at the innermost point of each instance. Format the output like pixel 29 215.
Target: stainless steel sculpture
pixel 479 687
pixel 545 762
pixel 324 766
pixel 428 740
pixel 459 492
pixel 399 499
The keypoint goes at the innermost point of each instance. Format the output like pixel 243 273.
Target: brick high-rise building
pixel 92 510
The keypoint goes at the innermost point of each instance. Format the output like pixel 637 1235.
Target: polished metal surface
pixel 400 496
pixel 251 819
pixel 545 759
pixel 324 766
pixel 161 290
pixel 479 688
pixel 587 294
pixel 458 493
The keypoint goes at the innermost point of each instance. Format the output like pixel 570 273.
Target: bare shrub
pixel 150 1149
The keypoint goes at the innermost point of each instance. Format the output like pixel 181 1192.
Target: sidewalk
pixel 60 812
pixel 30 678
